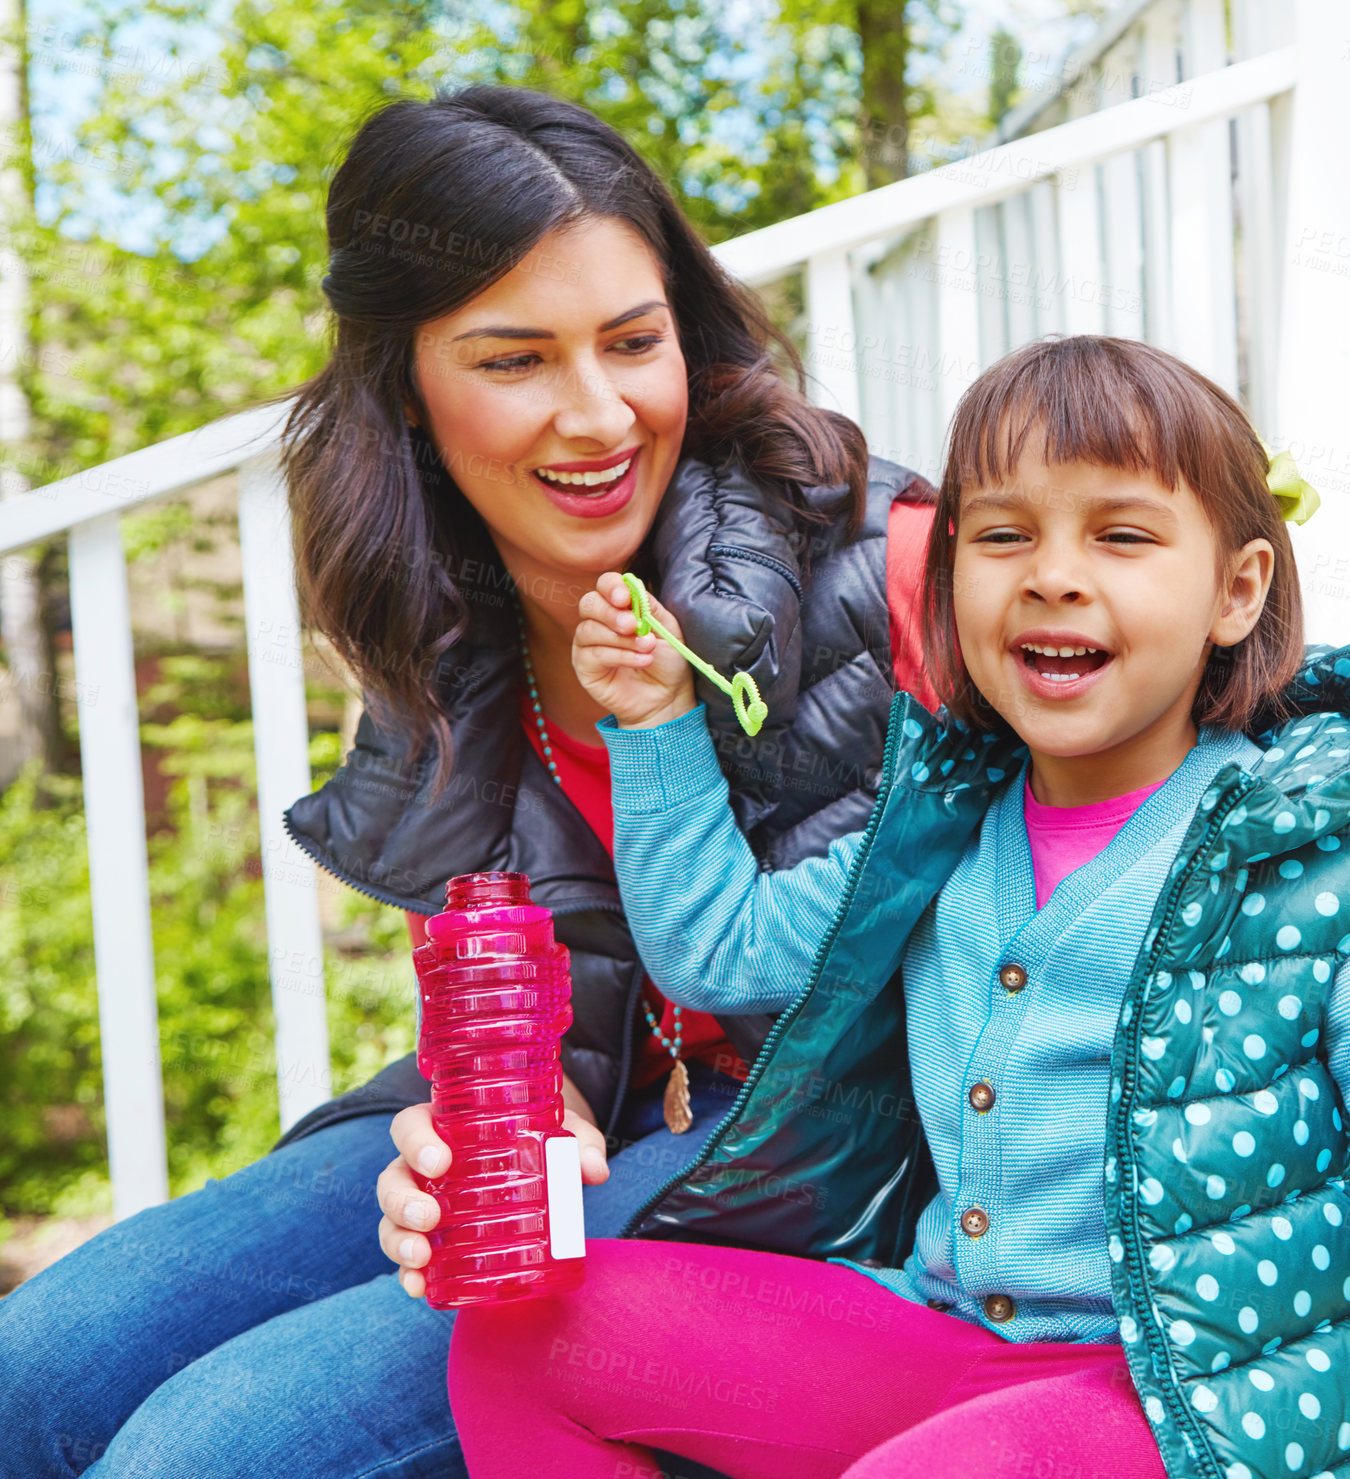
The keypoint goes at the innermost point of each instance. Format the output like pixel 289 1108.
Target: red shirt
pixel 906 551
pixel 583 771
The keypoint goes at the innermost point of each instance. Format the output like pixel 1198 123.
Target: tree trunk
pixel 27 644
pixel 883 30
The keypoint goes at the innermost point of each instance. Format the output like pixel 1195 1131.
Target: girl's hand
pixel 409 1211
pixel 642 681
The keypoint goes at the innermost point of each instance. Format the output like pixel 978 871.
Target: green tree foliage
pixel 234 158
pixel 215 1011
pixel 1005 60
pixel 752 117
pixel 750 123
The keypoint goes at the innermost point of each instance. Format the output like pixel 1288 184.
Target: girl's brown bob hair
pixel 1120 403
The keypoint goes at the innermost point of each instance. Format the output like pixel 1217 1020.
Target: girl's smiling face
pixel 557 399
pixel 1122 576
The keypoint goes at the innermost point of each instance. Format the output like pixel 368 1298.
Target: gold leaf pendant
pixel 678 1114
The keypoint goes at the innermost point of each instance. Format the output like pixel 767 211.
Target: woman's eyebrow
pixel 507 331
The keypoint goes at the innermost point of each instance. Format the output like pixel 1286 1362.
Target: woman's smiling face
pixel 562 374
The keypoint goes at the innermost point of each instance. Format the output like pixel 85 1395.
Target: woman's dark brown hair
pixel 1120 403
pixel 435 201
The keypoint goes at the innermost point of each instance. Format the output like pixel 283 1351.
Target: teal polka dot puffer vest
pixel 1226 1208
pixel 1227 1211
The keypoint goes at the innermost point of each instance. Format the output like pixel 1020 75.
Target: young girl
pixel 1055 1102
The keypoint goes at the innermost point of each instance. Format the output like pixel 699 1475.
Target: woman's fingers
pixel 591 1144
pixel 402 1201
pixel 409 1211
pixel 418 1143
pixel 412 1282
pixel 407 1208
pixel 407 1249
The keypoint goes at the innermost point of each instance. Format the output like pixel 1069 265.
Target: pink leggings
pixel 767 1367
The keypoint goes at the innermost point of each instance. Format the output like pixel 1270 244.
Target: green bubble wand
pixel 743 691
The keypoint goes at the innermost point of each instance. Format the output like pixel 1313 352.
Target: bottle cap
pixel 474 890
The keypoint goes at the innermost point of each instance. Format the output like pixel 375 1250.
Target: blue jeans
pixel 255 1327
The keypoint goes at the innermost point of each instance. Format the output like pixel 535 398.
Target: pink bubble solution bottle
pixel 496 998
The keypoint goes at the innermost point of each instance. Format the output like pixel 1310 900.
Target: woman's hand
pixel 642 681
pixel 409 1211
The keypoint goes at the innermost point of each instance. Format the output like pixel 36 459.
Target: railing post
pixel 1259 276
pixel 119 882
pixel 1123 246
pixel 1204 321
pixel 1157 71
pixel 958 316
pixel 833 355
pixel 1080 251
pixel 1315 334
pixel 281 745
pixel 1258 27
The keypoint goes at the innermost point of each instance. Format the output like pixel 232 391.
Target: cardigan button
pixel 1012 977
pixel 940 1305
pixel 981 1097
pixel 999 1307
pixel 974 1222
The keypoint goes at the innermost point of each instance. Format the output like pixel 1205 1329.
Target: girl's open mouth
pixel 1060 666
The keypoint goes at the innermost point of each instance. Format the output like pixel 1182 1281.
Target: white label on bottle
pixel 562 1176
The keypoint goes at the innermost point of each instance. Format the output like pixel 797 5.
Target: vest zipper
pixel 626 1058
pixel 629 1011
pixel 1153 1336
pixel 758 557
pixel 418 906
pixel 790 1014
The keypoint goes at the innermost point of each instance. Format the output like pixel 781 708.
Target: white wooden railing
pixel 88 507
pixel 1131 220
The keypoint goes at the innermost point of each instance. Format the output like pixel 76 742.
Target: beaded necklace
pixel 678 1114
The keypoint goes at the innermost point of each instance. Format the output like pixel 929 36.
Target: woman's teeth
pixel 585 479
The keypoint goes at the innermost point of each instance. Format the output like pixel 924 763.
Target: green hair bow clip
pixel 1297 497
pixel 743 691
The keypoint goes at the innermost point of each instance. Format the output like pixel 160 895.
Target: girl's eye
pixel 998 536
pixel 1121 536
pixel 640 343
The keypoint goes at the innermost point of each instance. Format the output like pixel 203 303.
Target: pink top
pixel 1063 838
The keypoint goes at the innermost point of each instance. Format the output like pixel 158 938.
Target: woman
pixel 538 373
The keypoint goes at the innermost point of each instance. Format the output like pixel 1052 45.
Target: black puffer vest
pixel 805 612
